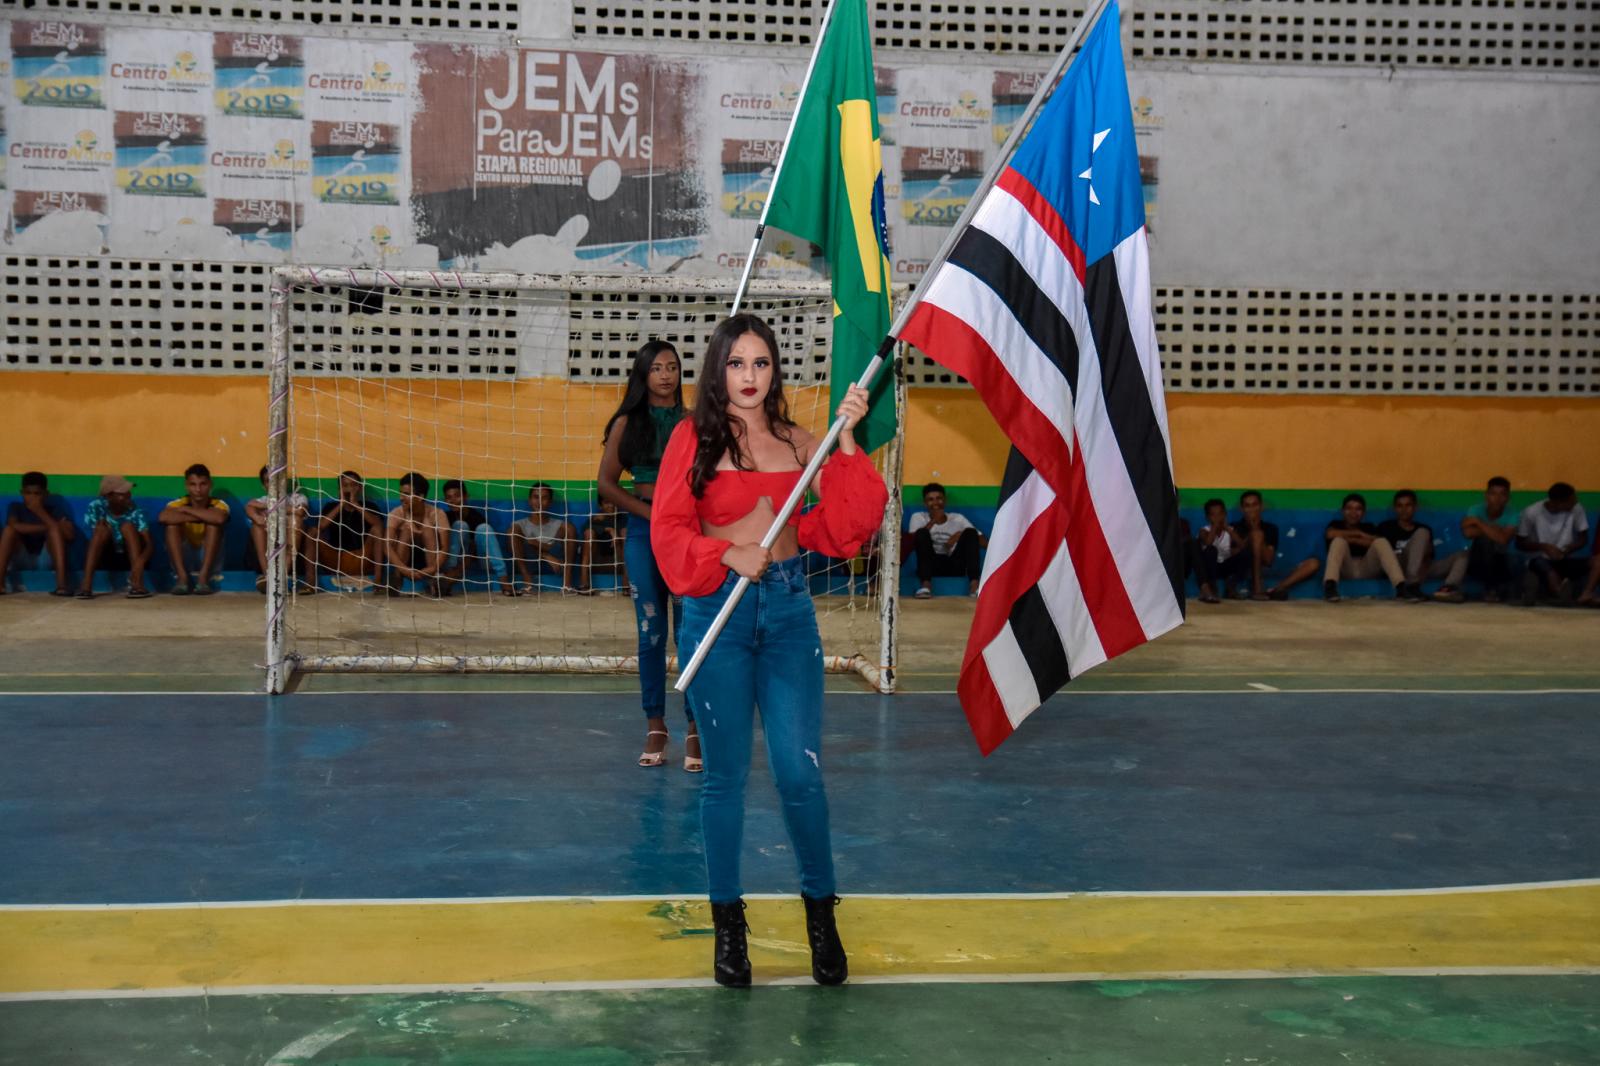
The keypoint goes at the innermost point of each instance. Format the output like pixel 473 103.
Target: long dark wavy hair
pixel 714 428
pixel 638 443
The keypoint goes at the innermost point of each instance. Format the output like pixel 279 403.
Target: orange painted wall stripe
pixel 157 424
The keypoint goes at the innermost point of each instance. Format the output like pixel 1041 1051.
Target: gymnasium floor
pixel 1229 847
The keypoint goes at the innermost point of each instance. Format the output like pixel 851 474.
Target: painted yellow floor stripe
pixel 603 939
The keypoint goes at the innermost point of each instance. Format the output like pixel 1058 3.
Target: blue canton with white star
pixel 1081 154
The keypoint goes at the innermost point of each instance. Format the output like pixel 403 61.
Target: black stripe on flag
pixel 1036 634
pixel 1017 472
pixel 983 256
pixel 1132 416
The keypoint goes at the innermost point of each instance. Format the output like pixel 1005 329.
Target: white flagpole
pixel 1090 16
pixel 783 153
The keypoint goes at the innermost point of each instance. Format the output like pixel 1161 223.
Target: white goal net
pixel 497 387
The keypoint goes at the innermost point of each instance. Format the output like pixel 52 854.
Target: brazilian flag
pixel 830 192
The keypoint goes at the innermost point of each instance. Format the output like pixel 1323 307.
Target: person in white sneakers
pixel 945 544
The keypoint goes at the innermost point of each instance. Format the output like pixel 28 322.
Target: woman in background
pixel 635 437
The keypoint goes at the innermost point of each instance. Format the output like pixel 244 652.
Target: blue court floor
pixel 487 878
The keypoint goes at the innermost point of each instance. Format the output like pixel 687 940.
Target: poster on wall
pixel 355 162
pixel 35 212
pixel 747 171
pixel 259 75
pixel 256 160
pixel 51 155
pixel 58 64
pixel 935 185
pixel 1013 91
pixel 159 70
pixel 888 92
pixel 357 79
pixel 161 154
pixel 942 107
pixel 547 160
pixel 266 226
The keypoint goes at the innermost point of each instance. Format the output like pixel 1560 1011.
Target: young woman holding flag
pixel 725 471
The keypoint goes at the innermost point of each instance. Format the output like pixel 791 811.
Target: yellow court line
pixel 579 939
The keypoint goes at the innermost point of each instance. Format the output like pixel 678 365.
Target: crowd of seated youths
pixel 1545 541
pixel 428 546
pixel 417 543
pixel 1233 556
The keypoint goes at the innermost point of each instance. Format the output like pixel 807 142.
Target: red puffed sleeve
pixel 853 497
pixel 690 561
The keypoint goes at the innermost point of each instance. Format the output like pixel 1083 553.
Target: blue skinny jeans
pixel 768 656
pixel 651 601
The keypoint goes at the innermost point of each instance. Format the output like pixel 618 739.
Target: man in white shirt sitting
pixel 945 544
pixel 1552 532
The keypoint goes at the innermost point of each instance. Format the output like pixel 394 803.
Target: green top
pixel 666 420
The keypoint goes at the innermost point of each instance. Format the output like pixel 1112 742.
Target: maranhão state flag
pixel 1044 306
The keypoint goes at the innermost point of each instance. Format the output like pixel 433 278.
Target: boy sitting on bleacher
pixel 417 534
pixel 943 543
pixel 257 511
pixel 37 533
pixel 119 537
pixel 1490 528
pixel 1412 542
pixel 194 524
pixel 472 535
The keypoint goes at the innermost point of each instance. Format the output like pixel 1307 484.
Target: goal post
pixel 503 382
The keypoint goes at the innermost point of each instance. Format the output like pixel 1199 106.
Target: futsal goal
pixel 504 382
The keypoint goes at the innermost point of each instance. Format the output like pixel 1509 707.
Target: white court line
pixel 1253 688
pixel 976 897
pixel 877 979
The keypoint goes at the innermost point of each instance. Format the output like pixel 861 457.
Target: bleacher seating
pixel 1300 532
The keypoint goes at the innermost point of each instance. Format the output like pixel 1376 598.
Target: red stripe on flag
pixel 1104 593
pixel 1045 214
pixel 986 715
pixel 955 344
pixel 1017 573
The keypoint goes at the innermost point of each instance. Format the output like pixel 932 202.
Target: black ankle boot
pixel 829 966
pixel 732 968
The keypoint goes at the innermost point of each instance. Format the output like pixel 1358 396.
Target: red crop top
pixel 853 497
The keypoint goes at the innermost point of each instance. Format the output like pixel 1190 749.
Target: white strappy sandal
pixel 655 758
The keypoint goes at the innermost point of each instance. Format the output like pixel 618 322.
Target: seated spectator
pixel 602 546
pixel 943 543
pixel 257 511
pixel 1412 542
pixel 1553 532
pixel 119 538
pixel 544 541
pixel 1588 597
pixel 1260 538
pixel 1490 527
pixel 417 535
pixel 194 524
pixel 1219 552
pixel 471 534
pixel 347 538
pixel 36 535
pixel 1355 552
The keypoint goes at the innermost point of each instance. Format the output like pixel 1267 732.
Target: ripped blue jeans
pixel 651 600
pixel 769 656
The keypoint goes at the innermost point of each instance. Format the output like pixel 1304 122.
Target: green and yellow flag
pixel 830 192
